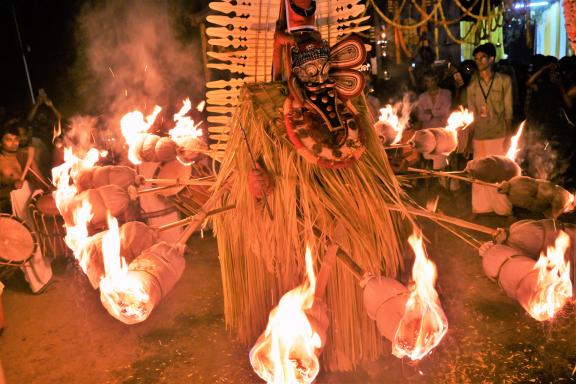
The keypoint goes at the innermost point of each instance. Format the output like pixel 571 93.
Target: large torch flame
pixel 513 150
pixel 122 294
pixel 554 284
pixel 459 119
pixel 134 127
pixel 186 133
pixel 77 236
pixel 424 323
pixel 397 117
pixel 287 351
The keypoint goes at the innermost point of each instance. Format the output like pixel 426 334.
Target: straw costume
pixel 327 169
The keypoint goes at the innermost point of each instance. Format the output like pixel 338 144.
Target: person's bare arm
pixel 39 101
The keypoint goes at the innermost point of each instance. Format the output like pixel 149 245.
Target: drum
pixel 18 243
pixel 49 226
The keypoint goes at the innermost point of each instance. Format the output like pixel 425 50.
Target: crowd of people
pixel 500 95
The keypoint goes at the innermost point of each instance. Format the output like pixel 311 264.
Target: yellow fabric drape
pixel 494 34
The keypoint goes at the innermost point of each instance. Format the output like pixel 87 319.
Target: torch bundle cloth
pixel 385 302
pixel 135 237
pixel 532 237
pixel 493 168
pixel 108 198
pixel 154 148
pixel 95 177
pixel 435 141
pixel 150 277
pixel 261 259
pixel 537 195
pixel 517 274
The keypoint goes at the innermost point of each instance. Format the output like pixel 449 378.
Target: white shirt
pixel 434 112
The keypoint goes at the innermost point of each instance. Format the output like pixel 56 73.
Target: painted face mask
pixel 321 121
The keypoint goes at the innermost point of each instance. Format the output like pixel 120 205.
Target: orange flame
pixel 67 171
pixel 122 293
pixel 134 127
pixel 77 233
pixel 424 323
pixel 287 351
pixel 186 133
pixel 513 150
pixel 459 119
pixel 554 284
pixel 397 116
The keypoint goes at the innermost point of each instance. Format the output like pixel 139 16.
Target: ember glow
pixel 287 352
pixel 134 128
pixel 424 323
pixel 554 284
pixel 513 150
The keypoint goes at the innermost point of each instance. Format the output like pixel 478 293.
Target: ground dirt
pixel 65 335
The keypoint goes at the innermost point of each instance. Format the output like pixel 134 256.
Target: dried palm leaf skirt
pixel 261 259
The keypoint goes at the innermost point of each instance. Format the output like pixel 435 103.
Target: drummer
pixel 15 192
pixel 12 163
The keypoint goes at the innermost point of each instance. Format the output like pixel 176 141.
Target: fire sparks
pixel 134 127
pixel 287 351
pixel 513 150
pixel 554 285
pixel 424 323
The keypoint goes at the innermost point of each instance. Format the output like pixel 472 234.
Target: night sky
pixel 49 36
pixel 46 29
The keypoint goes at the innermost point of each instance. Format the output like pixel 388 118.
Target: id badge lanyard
pixel 486 94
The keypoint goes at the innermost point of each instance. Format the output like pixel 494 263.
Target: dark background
pixel 48 31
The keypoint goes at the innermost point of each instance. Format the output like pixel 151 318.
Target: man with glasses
pixel 489 97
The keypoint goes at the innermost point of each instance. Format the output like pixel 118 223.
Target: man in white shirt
pixel 433 109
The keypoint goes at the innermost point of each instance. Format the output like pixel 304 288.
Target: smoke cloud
pixel 132 56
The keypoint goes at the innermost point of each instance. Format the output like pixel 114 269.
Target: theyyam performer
pixel 304 158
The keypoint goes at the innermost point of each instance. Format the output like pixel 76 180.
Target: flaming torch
pixel 555 287
pixel 442 141
pixel 287 351
pixel 424 323
pixel 186 134
pixel 542 287
pixel 412 319
pixel 134 127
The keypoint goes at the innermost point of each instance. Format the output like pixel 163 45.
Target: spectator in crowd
pixel 489 97
pixel 433 109
pixel 433 106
